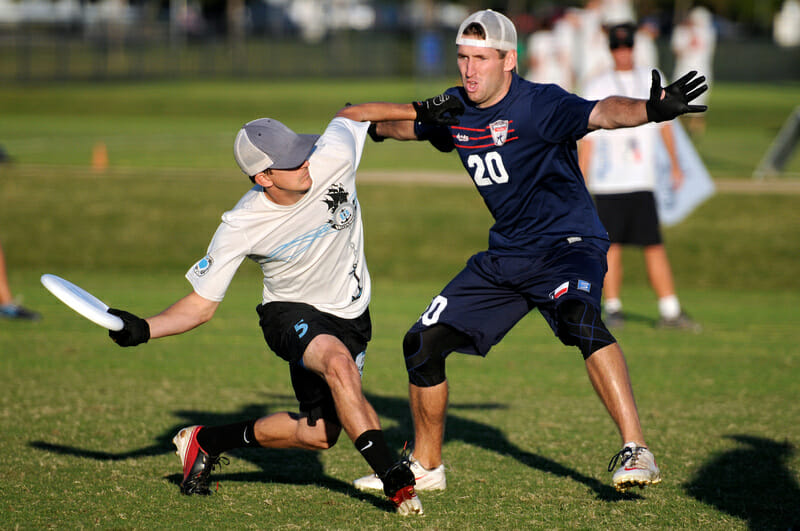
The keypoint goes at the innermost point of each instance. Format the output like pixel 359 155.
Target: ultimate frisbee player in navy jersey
pixel 547 248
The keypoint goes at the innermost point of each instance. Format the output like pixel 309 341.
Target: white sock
pixel 613 305
pixel 669 307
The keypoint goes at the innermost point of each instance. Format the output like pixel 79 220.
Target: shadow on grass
pixel 489 438
pixel 300 467
pixel 753 483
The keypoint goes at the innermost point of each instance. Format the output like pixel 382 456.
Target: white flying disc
pixel 82 302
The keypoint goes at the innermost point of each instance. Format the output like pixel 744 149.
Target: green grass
pixel 86 426
pixel 191 125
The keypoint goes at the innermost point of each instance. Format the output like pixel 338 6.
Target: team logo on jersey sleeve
pixel 202 267
pixel 343 212
pixel 499 131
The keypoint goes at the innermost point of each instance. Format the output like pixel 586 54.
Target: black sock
pixel 217 439
pixel 372 447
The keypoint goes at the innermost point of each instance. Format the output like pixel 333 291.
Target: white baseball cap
pixel 500 31
pixel 266 143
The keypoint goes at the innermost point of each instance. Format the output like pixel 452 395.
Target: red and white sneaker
pixel 197 464
pixel 638 468
pixel 426 479
pixel 398 485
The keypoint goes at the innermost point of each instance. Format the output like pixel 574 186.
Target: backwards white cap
pixel 499 30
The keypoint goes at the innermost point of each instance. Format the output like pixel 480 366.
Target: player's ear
pixel 263 179
pixel 510 61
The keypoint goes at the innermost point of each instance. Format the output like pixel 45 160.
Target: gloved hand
pixel 135 330
pixel 439 110
pixel 372 131
pixel 676 97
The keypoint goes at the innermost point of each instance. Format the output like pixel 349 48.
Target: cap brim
pixel 297 153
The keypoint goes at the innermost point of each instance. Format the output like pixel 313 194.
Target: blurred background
pixel 757 40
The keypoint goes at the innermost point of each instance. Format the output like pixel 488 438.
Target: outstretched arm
pixel 187 313
pixel 396 120
pixel 665 103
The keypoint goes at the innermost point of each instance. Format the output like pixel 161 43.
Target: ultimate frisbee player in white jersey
pixel 301 223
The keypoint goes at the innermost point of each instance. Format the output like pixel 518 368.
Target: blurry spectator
pixel 8 308
pixel 548 62
pixel 645 52
pixel 591 55
pixel 693 43
pixel 786 28
pixel 620 168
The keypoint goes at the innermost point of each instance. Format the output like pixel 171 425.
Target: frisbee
pixel 82 302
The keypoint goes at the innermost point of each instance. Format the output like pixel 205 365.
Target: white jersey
pixel 623 160
pixel 310 252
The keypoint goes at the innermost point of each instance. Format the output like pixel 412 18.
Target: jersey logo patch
pixel 499 131
pixel 584 285
pixel 343 211
pixel 202 267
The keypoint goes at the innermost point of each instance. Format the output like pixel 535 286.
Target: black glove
pixel 439 110
pixel 372 131
pixel 135 330
pixel 676 97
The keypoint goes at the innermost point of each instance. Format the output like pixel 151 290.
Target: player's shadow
pixel 753 482
pixel 487 437
pixel 301 467
pixel 295 467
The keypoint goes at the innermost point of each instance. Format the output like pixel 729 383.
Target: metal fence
pixel 42 53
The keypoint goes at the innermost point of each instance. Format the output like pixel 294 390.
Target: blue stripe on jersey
pixel 522 156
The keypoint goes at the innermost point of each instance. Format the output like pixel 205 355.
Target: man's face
pixel 623 57
pixel 286 187
pixel 485 75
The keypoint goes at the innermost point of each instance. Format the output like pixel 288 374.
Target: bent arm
pixel 615 112
pixel 189 312
pixel 392 120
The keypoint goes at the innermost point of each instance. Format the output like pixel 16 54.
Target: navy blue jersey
pixel 522 156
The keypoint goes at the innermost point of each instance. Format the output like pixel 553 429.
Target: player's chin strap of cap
pixel 579 324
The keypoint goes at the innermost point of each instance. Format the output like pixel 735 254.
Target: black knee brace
pixel 580 324
pixel 425 353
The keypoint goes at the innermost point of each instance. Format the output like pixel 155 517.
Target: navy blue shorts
pixel 493 292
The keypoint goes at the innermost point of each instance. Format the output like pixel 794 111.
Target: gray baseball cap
pixel 500 31
pixel 267 143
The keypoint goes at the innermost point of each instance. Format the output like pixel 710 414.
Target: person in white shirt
pixel 301 223
pixel 693 43
pixel 620 170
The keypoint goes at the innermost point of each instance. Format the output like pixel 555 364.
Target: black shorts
pixel 630 218
pixel 288 329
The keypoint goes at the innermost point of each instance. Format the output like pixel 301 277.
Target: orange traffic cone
pixel 99 157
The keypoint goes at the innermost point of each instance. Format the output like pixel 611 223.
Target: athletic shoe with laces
pixel 197 464
pixel 399 487
pixel 15 311
pixel 638 468
pixel 681 322
pixel 433 479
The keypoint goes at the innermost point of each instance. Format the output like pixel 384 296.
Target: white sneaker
pixel 433 479
pixel 637 469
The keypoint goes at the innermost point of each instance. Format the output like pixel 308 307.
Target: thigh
pixel 575 272
pixel 290 327
pixel 478 304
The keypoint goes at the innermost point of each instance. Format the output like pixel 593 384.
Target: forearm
pixel 186 314
pixel 379 112
pixel 615 112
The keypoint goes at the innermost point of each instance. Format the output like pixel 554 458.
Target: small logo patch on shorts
pixel 559 291
pixel 584 286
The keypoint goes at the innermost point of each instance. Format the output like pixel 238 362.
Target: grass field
pixel 86 427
